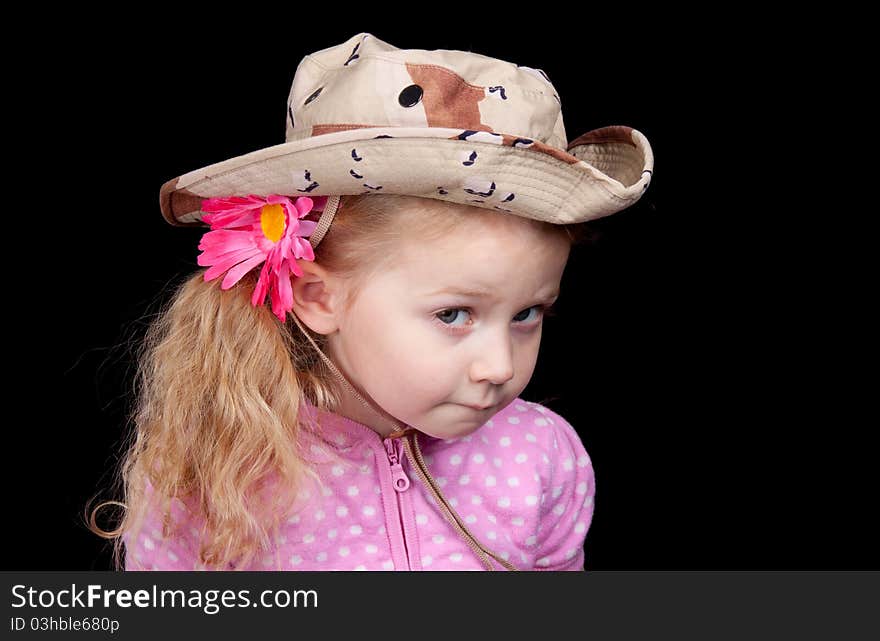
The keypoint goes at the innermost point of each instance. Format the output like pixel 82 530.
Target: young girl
pixel 410 235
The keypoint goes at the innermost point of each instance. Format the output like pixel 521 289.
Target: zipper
pixel 400 482
pixel 399 479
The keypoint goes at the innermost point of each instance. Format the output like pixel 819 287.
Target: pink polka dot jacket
pixel 522 484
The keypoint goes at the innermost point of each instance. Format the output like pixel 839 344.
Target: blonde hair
pixel 219 385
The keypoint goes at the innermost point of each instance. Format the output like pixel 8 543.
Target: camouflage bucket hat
pixel 366 117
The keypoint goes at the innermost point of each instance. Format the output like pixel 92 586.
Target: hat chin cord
pixel 323 224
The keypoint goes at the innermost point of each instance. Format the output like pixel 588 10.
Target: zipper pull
pixel 399 479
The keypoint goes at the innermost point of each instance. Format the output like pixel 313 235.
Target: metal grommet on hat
pixel 410 96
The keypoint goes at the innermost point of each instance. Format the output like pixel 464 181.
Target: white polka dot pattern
pixel 523 484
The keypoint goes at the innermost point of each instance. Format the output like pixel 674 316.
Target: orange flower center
pixel 272 222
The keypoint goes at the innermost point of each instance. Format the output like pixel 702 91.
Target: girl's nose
pixel 495 362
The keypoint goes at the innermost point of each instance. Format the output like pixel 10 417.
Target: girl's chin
pixel 458 427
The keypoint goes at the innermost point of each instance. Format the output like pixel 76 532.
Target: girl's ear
pixel 317 298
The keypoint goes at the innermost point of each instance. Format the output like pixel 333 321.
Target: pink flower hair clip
pixel 247 231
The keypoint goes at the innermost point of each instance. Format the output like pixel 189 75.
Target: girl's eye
pixel 447 317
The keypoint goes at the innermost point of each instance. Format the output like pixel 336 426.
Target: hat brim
pixel 602 172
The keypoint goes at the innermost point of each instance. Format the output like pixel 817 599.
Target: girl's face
pixel 430 357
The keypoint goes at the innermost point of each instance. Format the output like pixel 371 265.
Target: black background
pixel 707 349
